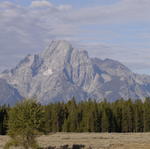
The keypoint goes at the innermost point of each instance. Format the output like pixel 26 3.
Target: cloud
pixel 28 29
pixel 65 7
pixel 43 3
pixel 137 59
pixel 124 11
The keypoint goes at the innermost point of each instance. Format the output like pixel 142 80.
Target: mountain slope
pixel 61 72
pixel 8 94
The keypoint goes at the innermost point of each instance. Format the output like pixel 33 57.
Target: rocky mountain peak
pixel 57 54
pixel 61 72
pixel 60 48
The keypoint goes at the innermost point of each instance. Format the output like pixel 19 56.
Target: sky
pixel 115 29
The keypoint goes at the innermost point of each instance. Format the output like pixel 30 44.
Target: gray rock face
pixel 61 72
pixel 8 94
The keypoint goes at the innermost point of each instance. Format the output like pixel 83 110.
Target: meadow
pixel 93 140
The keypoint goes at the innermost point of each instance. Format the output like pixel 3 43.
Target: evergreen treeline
pixel 3 119
pixel 92 116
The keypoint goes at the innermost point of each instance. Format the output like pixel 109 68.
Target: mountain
pixel 8 94
pixel 61 72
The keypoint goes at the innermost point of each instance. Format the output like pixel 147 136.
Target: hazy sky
pixel 116 29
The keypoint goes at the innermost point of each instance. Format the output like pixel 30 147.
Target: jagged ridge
pixel 61 72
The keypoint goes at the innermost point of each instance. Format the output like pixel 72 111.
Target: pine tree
pixel 147 115
pixel 89 122
pixel 3 119
pixel 117 112
pixel 105 121
pixel 138 107
pixel 125 118
pixel 48 117
pixel 71 122
pixel 130 116
pixel 57 117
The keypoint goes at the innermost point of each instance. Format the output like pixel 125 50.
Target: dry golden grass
pixel 95 140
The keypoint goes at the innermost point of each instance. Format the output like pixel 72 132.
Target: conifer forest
pixel 121 116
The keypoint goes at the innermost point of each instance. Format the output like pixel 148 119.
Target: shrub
pixel 26 121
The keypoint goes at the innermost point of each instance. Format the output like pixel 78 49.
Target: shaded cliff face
pixel 61 72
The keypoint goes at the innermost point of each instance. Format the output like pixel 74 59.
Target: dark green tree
pixel 71 121
pixel 106 119
pixel 117 108
pixel 3 119
pixel 90 117
pixel 138 108
pixel 147 115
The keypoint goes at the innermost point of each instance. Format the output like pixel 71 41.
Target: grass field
pixel 95 140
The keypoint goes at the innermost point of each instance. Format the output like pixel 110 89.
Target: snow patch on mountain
pixel 48 72
pixel 106 77
pixel 108 92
